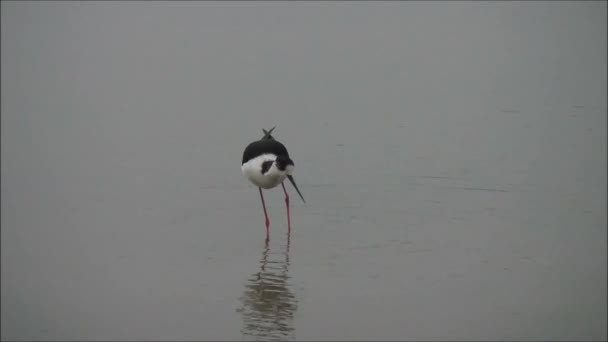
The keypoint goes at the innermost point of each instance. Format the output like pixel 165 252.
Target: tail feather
pixel 267 133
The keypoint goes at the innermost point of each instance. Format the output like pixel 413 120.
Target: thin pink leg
pixel 287 205
pixel 265 213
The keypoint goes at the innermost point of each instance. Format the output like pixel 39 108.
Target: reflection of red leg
pixel 265 213
pixel 287 205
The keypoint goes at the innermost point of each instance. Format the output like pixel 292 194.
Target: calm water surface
pixel 452 156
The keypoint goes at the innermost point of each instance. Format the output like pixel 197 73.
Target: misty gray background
pixel 452 155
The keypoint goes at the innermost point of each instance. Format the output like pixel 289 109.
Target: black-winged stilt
pixel 266 164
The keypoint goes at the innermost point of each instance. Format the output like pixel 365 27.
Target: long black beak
pixel 290 177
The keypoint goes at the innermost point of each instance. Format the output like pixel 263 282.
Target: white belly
pixel 253 171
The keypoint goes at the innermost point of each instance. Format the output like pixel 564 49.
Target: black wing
pixel 264 146
pixel 267 133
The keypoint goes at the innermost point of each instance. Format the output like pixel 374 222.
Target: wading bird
pixel 266 164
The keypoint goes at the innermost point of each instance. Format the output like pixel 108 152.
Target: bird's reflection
pixel 268 303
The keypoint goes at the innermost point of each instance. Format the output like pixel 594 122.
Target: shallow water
pixel 268 300
pixel 452 156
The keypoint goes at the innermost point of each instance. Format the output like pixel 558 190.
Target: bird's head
pixel 284 163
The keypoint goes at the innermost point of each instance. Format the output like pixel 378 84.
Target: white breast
pixel 252 169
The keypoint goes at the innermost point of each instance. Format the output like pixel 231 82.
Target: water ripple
pixel 268 301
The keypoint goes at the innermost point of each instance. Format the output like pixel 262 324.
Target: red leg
pixel 265 213
pixel 287 205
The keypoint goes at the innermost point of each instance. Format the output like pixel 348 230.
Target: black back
pixel 264 146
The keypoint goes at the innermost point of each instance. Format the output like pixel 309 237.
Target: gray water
pixel 452 156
